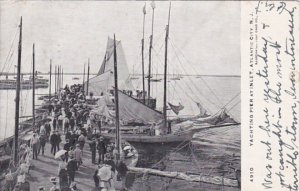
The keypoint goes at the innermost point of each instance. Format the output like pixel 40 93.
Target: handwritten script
pixel 274 83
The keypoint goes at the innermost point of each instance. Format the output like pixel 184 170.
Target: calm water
pixel 215 151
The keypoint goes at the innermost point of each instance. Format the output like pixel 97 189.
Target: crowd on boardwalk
pixel 69 129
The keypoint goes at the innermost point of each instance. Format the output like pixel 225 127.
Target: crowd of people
pixel 67 126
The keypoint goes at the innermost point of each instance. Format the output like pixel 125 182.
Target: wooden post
pixel 88 76
pixel 83 78
pixel 50 79
pixel 61 78
pixel 33 87
pixel 16 146
pixel 58 80
pixel 55 80
pixel 166 70
pixel 143 74
pixel 116 101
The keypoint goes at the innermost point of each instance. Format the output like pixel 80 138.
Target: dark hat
pixel 53 180
pixel 73 185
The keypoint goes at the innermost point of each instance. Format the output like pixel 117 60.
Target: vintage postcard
pixel 270 92
pixel 149 95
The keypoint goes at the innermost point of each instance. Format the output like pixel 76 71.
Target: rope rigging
pixel 146 54
pixel 192 82
pixel 9 52
pixel 193 69
pixel 189 87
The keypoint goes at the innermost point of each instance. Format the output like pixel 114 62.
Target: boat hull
pixel 183 136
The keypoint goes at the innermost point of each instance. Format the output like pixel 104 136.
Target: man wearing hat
pixel 78 155
pixel 81 140
pixel 93 147
pixel 71 168
pixel 101 147
pixel 35 144
pixel 67 147
pixel 53 141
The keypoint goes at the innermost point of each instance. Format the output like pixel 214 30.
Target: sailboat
pixel 19 136
pixel 118 141
pixel 137 116
pixel 133 111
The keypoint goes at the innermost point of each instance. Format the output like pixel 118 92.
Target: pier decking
pixel 46 166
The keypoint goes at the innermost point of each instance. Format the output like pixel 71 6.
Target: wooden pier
pixel 46 167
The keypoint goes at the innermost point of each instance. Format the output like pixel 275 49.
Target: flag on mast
pixel 153 5
pixel 176 108
pixel 144 9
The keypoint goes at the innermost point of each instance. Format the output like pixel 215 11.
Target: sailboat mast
pixel 62 77
pixel 59 77
pixel 58 81
pixel 33 87
pixel 55 80
pixel 143 75
pixel 88 76
pixel 83 78
pixel 50 79
pixel 150 53
pixel 166 69
pixel 116 101
pixel 18 97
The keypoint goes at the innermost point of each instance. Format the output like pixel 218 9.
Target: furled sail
pixel 218 118
pixel 104 81
pixel 133 111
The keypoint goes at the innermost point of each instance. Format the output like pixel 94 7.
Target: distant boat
pixel 25 84
pixel 156 80
pixel 134 78
pixel 75 78
pixel 175 78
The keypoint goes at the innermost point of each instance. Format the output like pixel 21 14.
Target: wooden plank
pixel 217 180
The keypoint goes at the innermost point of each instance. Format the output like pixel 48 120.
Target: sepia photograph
pixel 120 95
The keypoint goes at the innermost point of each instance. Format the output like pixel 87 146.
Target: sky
pixel 204 35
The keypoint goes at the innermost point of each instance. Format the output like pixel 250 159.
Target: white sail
pixel 104 81
pixel 100 84
pixel 132 111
